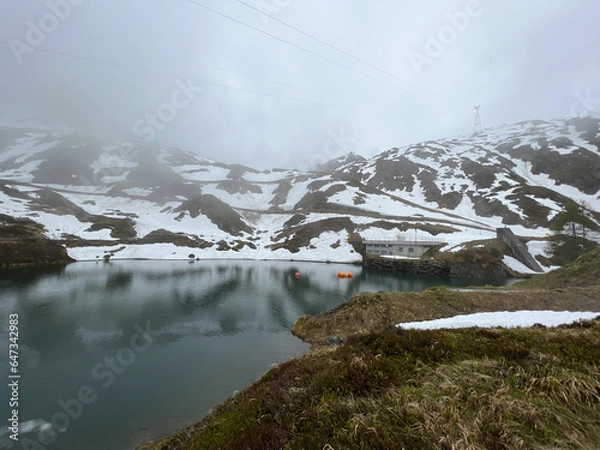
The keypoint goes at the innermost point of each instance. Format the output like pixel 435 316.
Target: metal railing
pixel 405 242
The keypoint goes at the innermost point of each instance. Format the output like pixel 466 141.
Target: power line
pixel 339 50
pixel 169 74
pixel 101 61
pixel 278 96
pixel 260 79
pixel 176 75
pixel 233 19
pixel 250 76
pixel 163 73
pixel 423 92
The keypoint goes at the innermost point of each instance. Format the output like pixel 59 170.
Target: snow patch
pixel 503 319
pixel 517 265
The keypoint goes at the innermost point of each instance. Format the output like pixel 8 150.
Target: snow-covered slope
pixel 504 319
pixel 514 175
pixel 340 161
pixel 135 200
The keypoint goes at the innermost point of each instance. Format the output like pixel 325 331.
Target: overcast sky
pixel 518 59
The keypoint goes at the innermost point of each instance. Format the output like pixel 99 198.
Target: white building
pixel 406 249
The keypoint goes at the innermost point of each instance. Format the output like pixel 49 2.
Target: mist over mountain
pixel 357 146
pixel 144 200
pixel 272 96
pixel 340 161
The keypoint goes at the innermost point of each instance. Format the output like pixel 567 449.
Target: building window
pixel 411 250
pixel 400 249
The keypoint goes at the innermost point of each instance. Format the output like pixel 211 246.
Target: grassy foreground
pixel 388 388
pixel 375 312
pixel 584 271
pixel 574 287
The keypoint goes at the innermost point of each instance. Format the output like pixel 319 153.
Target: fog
pixel 232 84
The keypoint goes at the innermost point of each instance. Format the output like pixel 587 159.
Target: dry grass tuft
pixel 533 388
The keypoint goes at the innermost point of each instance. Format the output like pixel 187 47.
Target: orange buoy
pixel 297 275
pixel 344 275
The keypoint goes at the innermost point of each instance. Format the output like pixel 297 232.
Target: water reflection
pixel 216 326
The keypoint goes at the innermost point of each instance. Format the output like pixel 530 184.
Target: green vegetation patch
pixel 373 312
pixel 483 252
pixel 22 242
pixel 584 271
pixel 420 389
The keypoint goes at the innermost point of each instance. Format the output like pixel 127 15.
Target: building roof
pixel 423 243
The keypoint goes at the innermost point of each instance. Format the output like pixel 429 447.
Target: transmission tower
pixel 477 128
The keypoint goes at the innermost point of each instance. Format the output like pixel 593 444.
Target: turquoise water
pixel 111 355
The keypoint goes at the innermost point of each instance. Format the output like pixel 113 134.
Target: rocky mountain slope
pixel 340 161
pixel 141 200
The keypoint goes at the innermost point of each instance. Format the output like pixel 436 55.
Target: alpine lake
pixel 114 354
